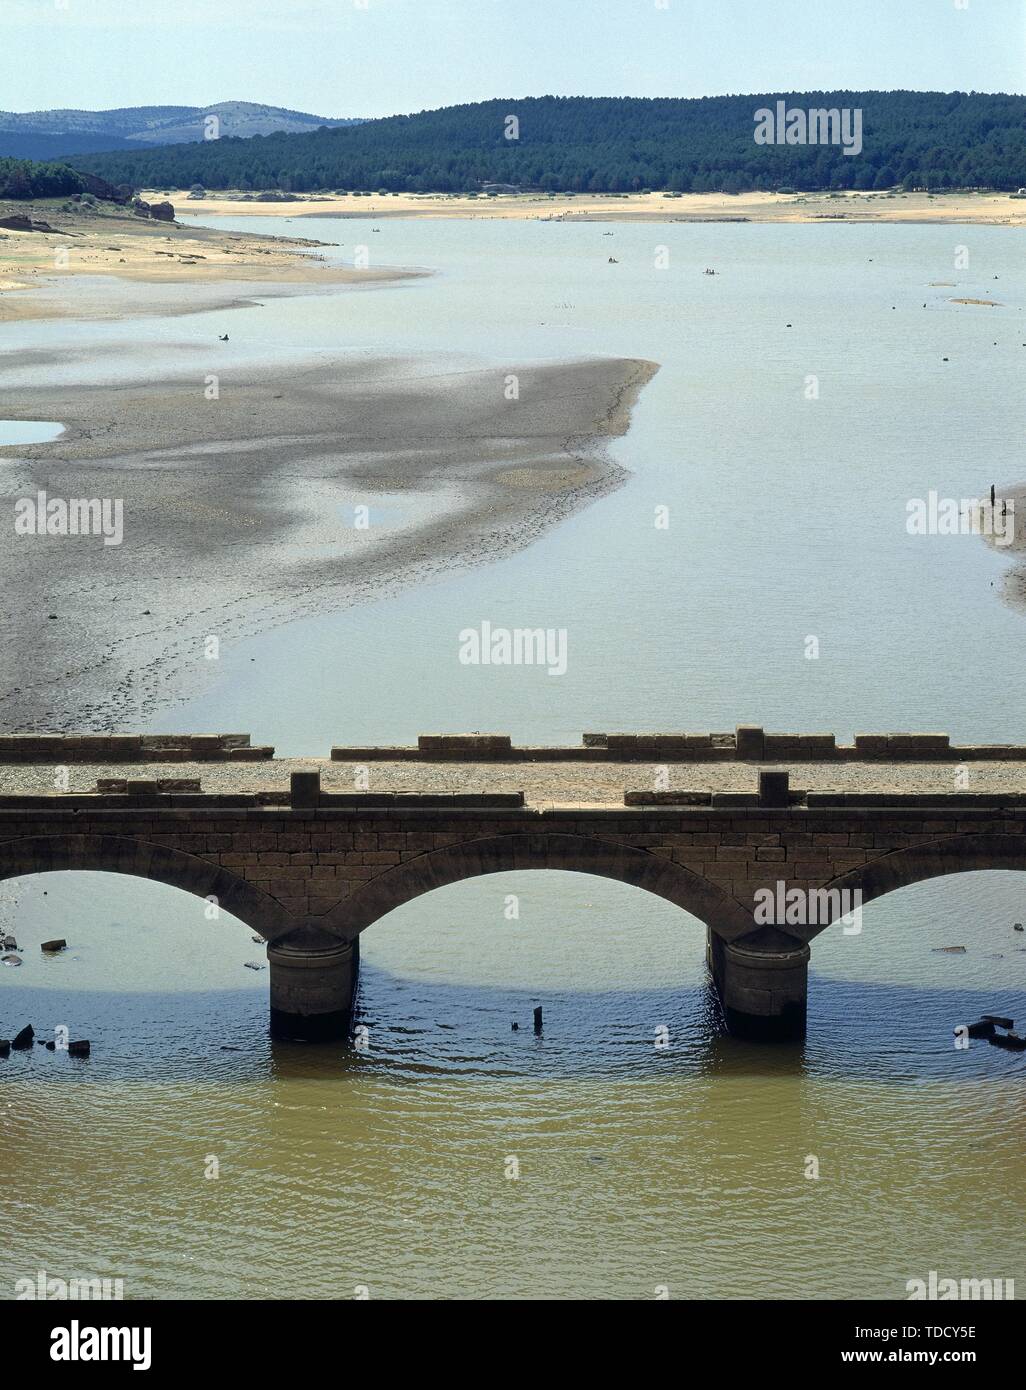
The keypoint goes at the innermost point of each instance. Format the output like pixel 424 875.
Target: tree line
pixel 23 178
pixel 932 140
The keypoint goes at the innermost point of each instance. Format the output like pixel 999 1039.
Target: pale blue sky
pixel 339 58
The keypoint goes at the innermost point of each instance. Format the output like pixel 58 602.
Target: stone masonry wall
pixel 310 863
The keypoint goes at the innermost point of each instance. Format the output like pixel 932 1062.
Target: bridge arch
pixel 585 854
pixel 38 854
pixel 954 854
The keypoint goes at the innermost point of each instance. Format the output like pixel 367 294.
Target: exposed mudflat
pixel 243 513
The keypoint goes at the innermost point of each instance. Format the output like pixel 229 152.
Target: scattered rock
pixel 79 1049
pixel 254 965
pixel 11 960
pixel 9 943
pixel 1017 926
pixel 950 950
pixel 23 1039
pixel 5 1047
pixel 998 1021
pixel 1011 1042
pixel 58 944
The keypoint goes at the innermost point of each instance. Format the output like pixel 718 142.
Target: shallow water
pixel 787 517
pixel 639 1166
pixel 28 431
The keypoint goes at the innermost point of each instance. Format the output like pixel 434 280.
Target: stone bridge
pixel 310 854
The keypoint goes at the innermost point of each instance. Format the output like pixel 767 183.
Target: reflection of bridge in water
pixel 767 856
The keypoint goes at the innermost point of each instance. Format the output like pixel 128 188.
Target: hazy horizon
pixel 497 96
pixel 374 58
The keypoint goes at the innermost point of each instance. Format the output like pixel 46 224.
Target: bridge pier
pixel 763 993
pixel 312 991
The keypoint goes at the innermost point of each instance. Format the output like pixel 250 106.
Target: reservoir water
pixel 639 1166
pixel 28 431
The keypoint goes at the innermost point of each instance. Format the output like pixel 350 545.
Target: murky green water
pixel 639 1166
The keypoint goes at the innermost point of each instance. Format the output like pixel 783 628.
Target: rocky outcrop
pixel 161 212
pixel 108 192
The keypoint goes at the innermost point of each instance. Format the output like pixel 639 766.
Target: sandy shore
pixel 240 514
pixel 999 209
pixel 163 262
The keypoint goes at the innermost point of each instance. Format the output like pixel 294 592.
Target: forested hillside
pixel 604 144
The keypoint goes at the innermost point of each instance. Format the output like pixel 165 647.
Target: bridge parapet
pixel 61 749
pixel 748 743
pixel 313 864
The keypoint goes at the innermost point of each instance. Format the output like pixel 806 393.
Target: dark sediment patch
pixel 239 513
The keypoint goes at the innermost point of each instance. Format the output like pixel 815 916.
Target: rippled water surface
pixel 638 1165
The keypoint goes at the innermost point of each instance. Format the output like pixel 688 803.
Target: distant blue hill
pixel 45 135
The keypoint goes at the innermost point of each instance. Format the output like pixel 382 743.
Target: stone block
pixel 306 787
pixel 774 786
pixel 750 740
pixel 871 745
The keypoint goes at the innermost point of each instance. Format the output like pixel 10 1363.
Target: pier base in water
pixel 763 993
pixel 312 991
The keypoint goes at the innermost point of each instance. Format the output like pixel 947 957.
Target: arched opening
pixel 581 854
pixel 620 975
pixel 156 978
pixel 142 859
pixel 953 854
pixel 888 987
